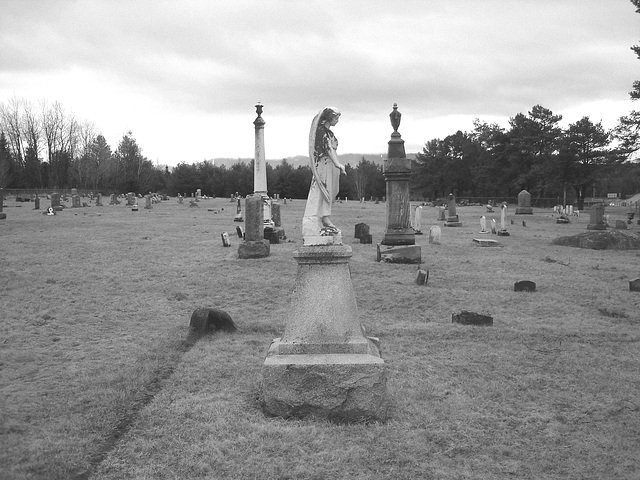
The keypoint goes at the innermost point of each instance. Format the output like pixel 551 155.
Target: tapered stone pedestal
pixel 398 243
pixel 324 365
pixel 254 245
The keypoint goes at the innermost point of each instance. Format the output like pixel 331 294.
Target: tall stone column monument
pixel 398 244
pixel 260 167
pixel 324 365
pixel 257 206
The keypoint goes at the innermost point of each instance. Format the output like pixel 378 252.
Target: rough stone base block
pixel 524 210
pixel 3 216
pixel 253 249
pixel 634 285
pixel 400 254
pixel 596 226
pixel 503 233
pixel 338 388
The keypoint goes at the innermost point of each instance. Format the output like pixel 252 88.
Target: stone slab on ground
pixel 472 318
pixel 486 242
pixel 601 240
pixel 410 254
pixel 339 388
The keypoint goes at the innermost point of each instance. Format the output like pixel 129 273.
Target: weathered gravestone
pixel 225 239
pixel 422 276
pixel 362 232
pixel 147 202
pixel 621 225
pixel 634 285
pixel 276 217
pixel 441 214
pixel 37 203
pixel 503 223
pixel 238 217
pixel 417 220
pixel 239 232
pixel 596 218
pixel 494 228
pixel 434 234
pixel 55 202
pixel 483 225
pixel 524 204
pixel 99 200
pixel 452 215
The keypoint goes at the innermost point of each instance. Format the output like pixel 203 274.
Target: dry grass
pixel 96 379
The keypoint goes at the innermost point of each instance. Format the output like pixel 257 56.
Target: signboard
pixel 612 195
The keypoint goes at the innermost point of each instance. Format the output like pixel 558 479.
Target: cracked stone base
pixel 342 388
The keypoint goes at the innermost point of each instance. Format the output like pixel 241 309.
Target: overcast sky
pixel 184 76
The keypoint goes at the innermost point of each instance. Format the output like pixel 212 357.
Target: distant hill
pixel 302 160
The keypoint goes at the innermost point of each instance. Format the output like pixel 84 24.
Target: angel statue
pixel 326 177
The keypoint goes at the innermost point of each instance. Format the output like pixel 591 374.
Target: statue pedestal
pixel 324 365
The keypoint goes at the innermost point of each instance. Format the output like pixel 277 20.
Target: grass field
pixel 99 377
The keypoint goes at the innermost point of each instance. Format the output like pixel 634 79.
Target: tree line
pixel 49 148
pixel 535 154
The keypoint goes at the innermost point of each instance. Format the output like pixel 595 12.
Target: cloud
pixel 210 61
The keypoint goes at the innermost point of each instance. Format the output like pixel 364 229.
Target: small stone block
pixel 503 233
pixel 3 216
pixel 399 254
pixel 634 285
pixel 486 242
pixel 209 320
pixel 524 286
pixel 366 238
pixel 422 277
pixel 225 239
pixel 471 318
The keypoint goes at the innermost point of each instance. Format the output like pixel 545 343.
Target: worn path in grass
pixel 96 304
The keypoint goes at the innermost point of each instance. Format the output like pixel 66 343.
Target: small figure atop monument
pixel 395 116
pixel 317 228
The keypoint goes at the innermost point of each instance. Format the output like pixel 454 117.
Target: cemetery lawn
pixel 99 377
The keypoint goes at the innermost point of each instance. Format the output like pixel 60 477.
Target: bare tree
pixel 10 121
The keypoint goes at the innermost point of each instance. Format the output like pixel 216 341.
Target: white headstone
pixel 493 225
pixel 503 217
pixel 434 235
pixel 483 224
pixel 417 220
